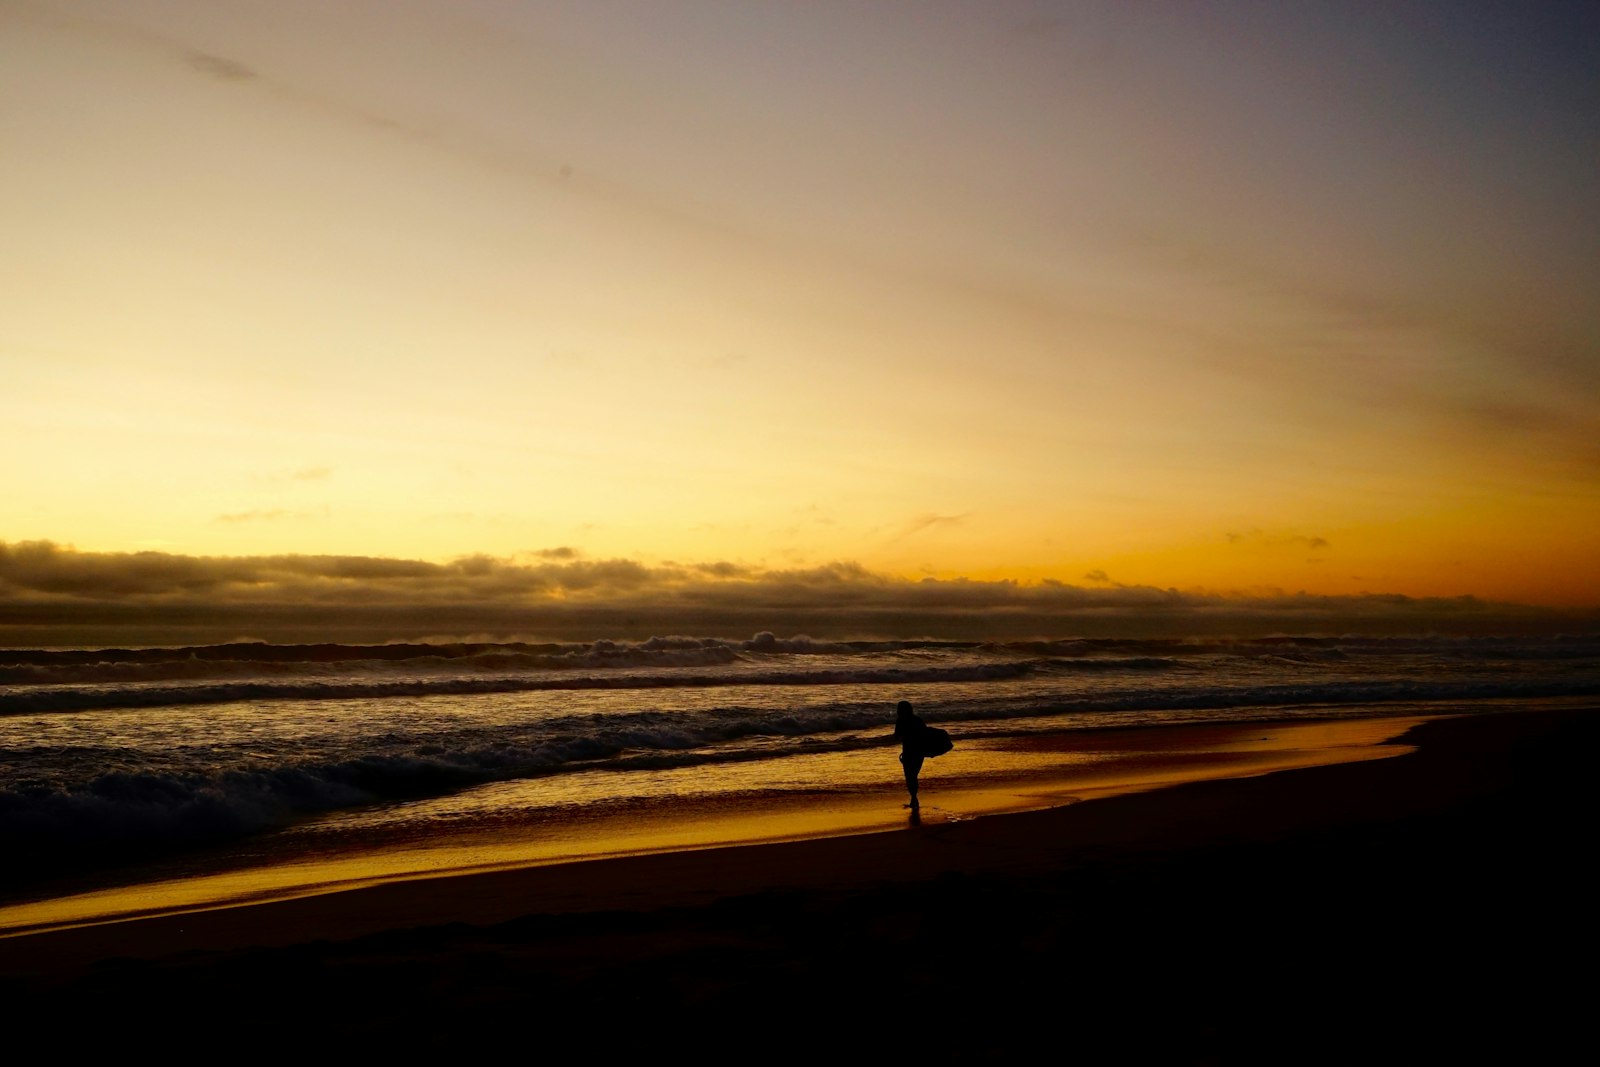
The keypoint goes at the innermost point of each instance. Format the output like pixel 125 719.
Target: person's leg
pixel 913 766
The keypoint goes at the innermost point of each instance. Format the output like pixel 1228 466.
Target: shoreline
pixel 1419 903
pixel 986 778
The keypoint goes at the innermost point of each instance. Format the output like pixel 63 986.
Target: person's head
pixel 903 709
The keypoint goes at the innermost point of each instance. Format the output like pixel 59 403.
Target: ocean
pixel 114 760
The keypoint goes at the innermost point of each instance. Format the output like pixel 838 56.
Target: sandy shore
pixel 1388 908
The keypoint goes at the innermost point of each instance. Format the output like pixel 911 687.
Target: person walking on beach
pixel 908 730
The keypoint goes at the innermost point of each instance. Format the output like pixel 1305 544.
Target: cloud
pixel 927 522
pixel 270 515
pixel 253 516
pixel 1257 539
pixel 809 516
pixel 54 593
pixel 220 67
pixel 279 478
pixel 1098 576
pixel 723 569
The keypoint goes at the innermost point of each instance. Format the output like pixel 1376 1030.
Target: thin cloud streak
pixel 923 523
pixel 1255 538
pixel 267 515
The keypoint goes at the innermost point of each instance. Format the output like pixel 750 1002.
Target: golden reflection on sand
pixel 981 777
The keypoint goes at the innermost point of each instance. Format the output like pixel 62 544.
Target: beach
pixel 1397 907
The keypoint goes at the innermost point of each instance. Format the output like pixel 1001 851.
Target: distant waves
pixel 65 680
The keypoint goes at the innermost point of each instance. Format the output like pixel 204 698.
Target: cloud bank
pixel 52 594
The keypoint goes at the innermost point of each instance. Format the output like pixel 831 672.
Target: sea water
pixel 112 758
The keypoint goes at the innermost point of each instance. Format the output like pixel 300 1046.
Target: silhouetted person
pixel 908 729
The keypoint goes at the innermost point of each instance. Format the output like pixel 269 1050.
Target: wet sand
pixel 1417 905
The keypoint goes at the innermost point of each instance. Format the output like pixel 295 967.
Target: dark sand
pixel 1432 906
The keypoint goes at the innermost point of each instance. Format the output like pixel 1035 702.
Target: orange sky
pixel 1208 298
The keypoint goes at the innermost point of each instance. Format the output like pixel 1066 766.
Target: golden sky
pixel 1233 298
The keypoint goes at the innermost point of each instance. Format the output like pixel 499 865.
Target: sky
pixel 1245 301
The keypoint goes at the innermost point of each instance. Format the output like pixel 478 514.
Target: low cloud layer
pixel 52 594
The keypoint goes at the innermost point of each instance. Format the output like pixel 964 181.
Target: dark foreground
pixel 1430 907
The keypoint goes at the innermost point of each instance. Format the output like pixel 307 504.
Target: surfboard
pixel 934 742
